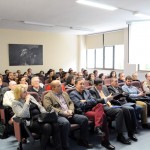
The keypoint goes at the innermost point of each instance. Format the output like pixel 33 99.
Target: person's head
pixel 113 74
pixel 12 85
pixel 56 77
pixel 135 76
pixel 56 86
pixel 60 70
pixel 6 71
pixel 80 74
pixel 41 73
pixel 147 76
pixel 128 80
pixel 114 82
pixel 121 76
pixel 95 73
pixel 19 72
pixel 35 82
pixel 91 76
pixel 65 75
pixel 20 91
pixel 70 71
pixel 22 80
pixel 98 83
pixel 79 84
pixel 29 70
pixel 70 80
pixel 10 76
pixel 102 76
pixel 85 73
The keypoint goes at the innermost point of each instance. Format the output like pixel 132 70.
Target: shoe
pixel 99 131
pixel 84 143
pixel 107 145
pixel 133 137
pixel 123 140
pixel 146 126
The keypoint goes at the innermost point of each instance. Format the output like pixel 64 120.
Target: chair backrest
pixel 70 90
pixel 2 115
pixel 137 84
pixel 121 84
pixel 43 94
pixel 35 95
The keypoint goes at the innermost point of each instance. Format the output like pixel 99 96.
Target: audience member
pixel 113 74
pixel 121 78
pixel 92 109
pixel 25 106
pixel 100 92
pixel 70 82
pixel 146 84
pixel 59 101
pixel 135 94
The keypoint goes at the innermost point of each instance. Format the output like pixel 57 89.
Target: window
pixel 111 57
pixel 119 57
pixel 90 58
pixel 108 62
pixel 99 58
pixel 144 67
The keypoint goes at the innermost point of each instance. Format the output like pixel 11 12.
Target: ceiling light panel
pixel 96 4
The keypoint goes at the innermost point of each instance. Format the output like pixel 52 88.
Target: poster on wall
pixel 25 54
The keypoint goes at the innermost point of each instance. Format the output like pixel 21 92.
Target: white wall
pixel 59 50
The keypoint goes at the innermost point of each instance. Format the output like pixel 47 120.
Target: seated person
pixel 8 99
pixel 121 77
pixel 100 92
pixel 59 101
pixel 135 94
pixel 146 84
pixel 70 82
pixel 35 82
pixel 25 106
pixel 92 109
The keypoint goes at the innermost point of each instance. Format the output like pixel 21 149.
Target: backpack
pixel 3 131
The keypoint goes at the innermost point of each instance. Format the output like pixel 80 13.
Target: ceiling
pixel 67 16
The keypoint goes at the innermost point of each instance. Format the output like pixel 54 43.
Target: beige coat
pixel 51 101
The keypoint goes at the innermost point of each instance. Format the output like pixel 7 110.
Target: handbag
pixel 50 117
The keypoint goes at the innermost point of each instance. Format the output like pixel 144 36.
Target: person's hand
pixel 67 114
pixel 109 97
pixel 70 112
pixel 82 101
pixel 141 94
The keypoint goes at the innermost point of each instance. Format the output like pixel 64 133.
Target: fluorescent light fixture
pixel 81 29
pixel 144 16
pixel 38 24
pixel 96 4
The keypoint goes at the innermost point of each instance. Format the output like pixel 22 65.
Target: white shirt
pixel 8 98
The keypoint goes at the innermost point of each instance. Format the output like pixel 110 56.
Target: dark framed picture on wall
pixel 25 54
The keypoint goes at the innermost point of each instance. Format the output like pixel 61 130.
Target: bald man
pixel 60 101
pixel 146 84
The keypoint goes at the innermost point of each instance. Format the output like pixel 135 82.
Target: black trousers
pixel 46 130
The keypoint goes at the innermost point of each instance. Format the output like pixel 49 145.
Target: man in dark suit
pixel 60 101
pixel 130 118
pixel 101 93
pixel 92 109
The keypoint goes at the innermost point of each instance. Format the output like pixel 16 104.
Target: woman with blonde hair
pixel 25 106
